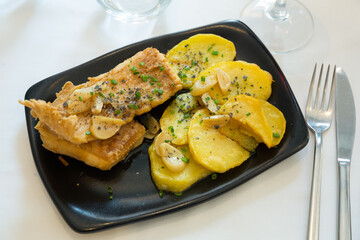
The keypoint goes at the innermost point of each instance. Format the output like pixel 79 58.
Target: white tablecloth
pixel 40 38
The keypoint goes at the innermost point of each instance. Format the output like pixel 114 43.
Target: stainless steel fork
pixel 318 114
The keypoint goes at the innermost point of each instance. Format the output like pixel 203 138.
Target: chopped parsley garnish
pixel 144 78
pixel 138 95
pixel 101 95
pixel 142 64
pixel 184 159
pixel 113 81
pixel 216 101
pixel 215 53
pixel 161 68
pixel 80 98
pixel 134 70
pixel 159 91
pixel 248 114
pixel 276 135
pixel 203 78
pixel 88 133
pixel 213 176
pixel 211 47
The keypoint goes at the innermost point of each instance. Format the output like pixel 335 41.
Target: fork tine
pixel 316 103
pixel 309 102
pixel 325 88
pixel 332 93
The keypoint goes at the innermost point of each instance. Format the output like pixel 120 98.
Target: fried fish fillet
pixel 102 154
pixel 133 87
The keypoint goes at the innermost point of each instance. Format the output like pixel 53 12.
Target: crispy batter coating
pixel 102 154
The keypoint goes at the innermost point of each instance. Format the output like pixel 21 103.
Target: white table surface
pixel 40 38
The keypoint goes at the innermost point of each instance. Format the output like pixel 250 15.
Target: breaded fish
pixel 102 154
pixel 133 87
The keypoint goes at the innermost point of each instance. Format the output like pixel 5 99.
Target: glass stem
pixel 279 11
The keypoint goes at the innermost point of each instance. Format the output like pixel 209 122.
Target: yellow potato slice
pixel 249 112
pixel 211 149
pixel 198 52
pixel 175 121
pixel 233 131
pixel 105 127
pixel 246 78
pixel 276 121
pixel 167 180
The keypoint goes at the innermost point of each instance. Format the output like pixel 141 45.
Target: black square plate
pixel 80 192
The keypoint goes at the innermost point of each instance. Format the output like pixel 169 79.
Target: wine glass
pixel 282 25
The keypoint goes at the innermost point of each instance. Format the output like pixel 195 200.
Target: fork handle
pixel 344 222
pixel 314 213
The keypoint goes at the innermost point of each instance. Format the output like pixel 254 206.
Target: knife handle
pixel 344 221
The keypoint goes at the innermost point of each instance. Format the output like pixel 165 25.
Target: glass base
pixel 282 28
pixel 131 11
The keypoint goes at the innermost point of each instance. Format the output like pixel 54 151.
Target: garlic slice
pixel 80 100
pixel 150 123
pixel 209 103
pixel 105 127
pixel 216 120
pixel 172 158
pixel 161 138
pixel 97 105
pixel 149 135
pixel 204 85
pixel 224 80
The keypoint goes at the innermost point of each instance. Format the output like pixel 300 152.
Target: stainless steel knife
pixel 345 134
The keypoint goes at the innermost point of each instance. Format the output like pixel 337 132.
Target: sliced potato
pixel 105 127
pixel 233 131
pixel 167 180
pixel 198 52
pixel 250 114
pixel 175 122
pixel 276 121
pixel 211 149
pixel 246 78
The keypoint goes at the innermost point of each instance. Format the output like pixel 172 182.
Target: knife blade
pixel 345 134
